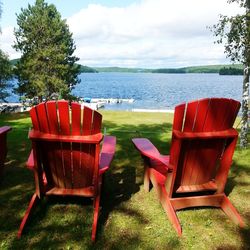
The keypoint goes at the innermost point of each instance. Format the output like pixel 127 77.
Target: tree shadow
pixel 126 172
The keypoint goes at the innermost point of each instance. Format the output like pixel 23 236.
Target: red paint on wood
pixel 87 121
pixel 66 158
pixel 200 158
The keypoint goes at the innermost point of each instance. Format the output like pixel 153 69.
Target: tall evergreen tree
pixel 5 72
pixel 235 32
pixel 47 64
pixel 5 76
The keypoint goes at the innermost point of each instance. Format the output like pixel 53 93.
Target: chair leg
pixel 146 179
pixel 231 211
pixel 166 204
pixel 31 206
pixel 96 214
pixel 168 208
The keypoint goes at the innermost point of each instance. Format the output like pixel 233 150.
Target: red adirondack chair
pixel 3 147
pixel 66 157
pixel 195 172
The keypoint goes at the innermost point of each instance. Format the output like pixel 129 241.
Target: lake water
pixel 156 91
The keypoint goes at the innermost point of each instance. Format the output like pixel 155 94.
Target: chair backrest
pixel 66 164
pixel 199 160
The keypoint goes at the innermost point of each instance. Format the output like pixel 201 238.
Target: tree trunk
pixel 244 108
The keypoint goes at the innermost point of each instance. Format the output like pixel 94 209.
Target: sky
pixel 129 33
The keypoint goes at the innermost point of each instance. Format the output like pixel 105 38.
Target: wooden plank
pixel 48 148
pixel 97 122
pixel 52 117
pixel 76 170
pixel 51 168
pixel 86 192
pixel 87 121
pixel 197 201
pixel 34 119
pixel 215 115
pixel 209 186
pixel 190 163
pixel 190 116
pixel 42 118
pixel 76 118
pixel 231 212
pixel 107 153
pixel 63 111
pixel 231 113
pixel 87 165
pixel 178 116
pixel 76 147
pixel 201 115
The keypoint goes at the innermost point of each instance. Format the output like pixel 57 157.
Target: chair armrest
pixel 229 133
pixel 146 148
pixel 5 129
pixel 30 163
pixel 39 136
pixel 107 153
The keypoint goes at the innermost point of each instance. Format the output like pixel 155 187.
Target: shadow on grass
pixel 121 182
pixel 66 222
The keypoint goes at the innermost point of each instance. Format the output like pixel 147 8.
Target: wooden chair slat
pixel 76 160
pixel 178 117
pixel 63 110
pixel 42 118
pixel 67 164
pixel 190 116
pixel 34 119
pixel 52 117
pixel 76 118
pixel 230 115
pixel 215 119
pixel 201 115
pixel 87 121
pixel 97 122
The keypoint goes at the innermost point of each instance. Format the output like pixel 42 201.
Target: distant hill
pixel 123 70
pixel 191 69
pixel 86 69
pixel 222 69
pixel 234 69
pixel 211 68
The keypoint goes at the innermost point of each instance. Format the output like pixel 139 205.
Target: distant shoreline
pixel 226 69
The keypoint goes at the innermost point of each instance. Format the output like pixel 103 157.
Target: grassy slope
pixel 130 218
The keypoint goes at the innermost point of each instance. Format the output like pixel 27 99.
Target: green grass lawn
pixel 129 218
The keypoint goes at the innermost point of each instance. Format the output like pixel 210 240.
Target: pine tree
pixel 47 65
pixel 235 32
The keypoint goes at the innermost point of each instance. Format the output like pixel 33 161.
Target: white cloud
pixel 6 42
pixel 151 33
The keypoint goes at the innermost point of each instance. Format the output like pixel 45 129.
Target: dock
pixel 12 107
pixel 108 100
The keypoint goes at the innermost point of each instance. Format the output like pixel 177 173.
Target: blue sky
pixel 65 7
pixel 129 33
